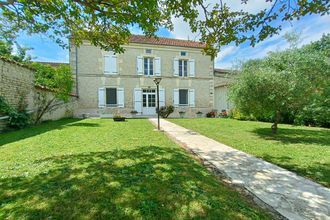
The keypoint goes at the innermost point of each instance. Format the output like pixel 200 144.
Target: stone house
pixel 222 80
pixel 109 83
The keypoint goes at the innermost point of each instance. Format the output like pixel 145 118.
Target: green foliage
pixel 108 23
pixel 59 80
pixel 283 83
pixel 18 118
pixel 165 111
pixel 6 50
pixel 4 106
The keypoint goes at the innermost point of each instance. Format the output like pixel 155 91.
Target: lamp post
pixel 157 81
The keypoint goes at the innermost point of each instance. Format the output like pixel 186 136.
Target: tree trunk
pixel 276 121
pixel 42 111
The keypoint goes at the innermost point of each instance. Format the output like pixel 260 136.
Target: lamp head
pixel 157 80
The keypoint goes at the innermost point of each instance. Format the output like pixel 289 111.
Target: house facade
pixel 222 81
pixel 108 84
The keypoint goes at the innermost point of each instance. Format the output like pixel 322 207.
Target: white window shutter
pixel 161 97
pixel 176 67
pixel 120 97
pixel 191 67
pixel 113 64
pixel 107 64
pixel 192 97
pixel 157 66
pixel 138 100
pixel 175 97
pixel 139 65
pixel 101 97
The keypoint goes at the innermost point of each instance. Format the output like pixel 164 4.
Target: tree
pixel 6 50
pixel 282 82
pixel 107 23
pixel 58 80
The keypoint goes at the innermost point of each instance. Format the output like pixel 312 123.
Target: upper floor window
pixel 148 66
pixel 111 96
pixel 183 53
pixel 183 68
pixel 148 51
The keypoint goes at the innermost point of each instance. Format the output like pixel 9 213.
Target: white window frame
pixel 182 68
pixel 153 66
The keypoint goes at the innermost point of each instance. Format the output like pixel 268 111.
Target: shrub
pixel 165 111
pixel 18 119
pixel 211 114
pixel 4 106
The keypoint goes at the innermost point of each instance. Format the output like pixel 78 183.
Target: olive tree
pixel 283 81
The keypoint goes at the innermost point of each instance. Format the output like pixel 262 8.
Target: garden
pixel 98 168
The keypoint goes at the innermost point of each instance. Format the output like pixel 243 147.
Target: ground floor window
pixel 111 97
pixel 183 96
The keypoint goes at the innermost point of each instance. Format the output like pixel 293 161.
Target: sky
pixel 310 28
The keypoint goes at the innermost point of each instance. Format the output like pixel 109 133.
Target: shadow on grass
pixel 147 182
pixel 12 136
pixel 319 172
pixel 292 136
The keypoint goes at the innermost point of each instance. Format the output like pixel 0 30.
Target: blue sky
pixel 310 29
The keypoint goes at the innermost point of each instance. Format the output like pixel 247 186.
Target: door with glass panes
pixel 149 101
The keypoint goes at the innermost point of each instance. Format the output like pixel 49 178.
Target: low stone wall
pixel 17 87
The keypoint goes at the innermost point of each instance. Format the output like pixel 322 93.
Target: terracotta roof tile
pixel 165 41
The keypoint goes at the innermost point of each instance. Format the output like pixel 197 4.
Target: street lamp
pixel 157 81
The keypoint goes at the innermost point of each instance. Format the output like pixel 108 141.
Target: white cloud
pixel 310 28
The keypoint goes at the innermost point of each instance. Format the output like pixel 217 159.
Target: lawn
pixel 304 150
pixel 100 169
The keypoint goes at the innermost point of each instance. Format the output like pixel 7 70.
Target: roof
pixel 140 39
pixel 53 64
pixel 217 70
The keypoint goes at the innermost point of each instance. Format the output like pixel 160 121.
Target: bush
pixel 165 111
pixel 18 119
pixel 4 106
pixel 211 114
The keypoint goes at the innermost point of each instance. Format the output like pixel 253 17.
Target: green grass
pixel 304 150
pixel 99 169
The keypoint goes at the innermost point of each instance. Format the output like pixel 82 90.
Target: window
pixel 148 51
pixel 111 96
pixel 183 68
pixel 149 98
pixel 148 66
pixel 183 53
pixel 183 96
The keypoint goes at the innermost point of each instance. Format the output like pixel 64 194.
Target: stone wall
pixel 16 82
pixel 17 86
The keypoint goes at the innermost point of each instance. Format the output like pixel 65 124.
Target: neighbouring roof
pixel 166 41
pixel 53 64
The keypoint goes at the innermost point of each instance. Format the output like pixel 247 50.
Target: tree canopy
pixel 295 81
pixel 107 23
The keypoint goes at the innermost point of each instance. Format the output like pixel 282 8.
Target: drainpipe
pixel 76 58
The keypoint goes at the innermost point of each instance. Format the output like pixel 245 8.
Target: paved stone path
pixel 292 196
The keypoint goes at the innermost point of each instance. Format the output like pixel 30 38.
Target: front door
pixel 149 101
